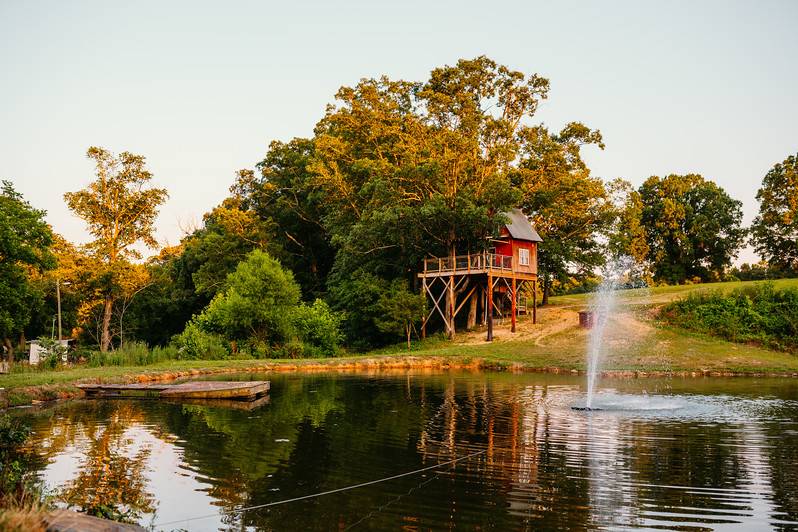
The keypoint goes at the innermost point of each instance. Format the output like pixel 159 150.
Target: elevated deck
pixel 491 264
pixel 195 390
pixel 451 282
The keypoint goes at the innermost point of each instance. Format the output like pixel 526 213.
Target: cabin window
pixel 523 257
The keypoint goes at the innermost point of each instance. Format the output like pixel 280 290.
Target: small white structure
pixel 37 352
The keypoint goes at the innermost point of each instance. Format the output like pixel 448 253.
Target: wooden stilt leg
pixel 424 287
pixel 489 308
pixel 485 306
pixel 512 307
pixel 451 307
pixel 534 301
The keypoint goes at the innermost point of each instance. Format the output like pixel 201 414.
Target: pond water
pixel 679 454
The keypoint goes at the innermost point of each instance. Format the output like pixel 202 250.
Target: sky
pixel 201 88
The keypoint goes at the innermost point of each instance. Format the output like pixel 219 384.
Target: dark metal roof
pixel 520 228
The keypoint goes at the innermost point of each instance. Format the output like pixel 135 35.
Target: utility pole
pixel 58 300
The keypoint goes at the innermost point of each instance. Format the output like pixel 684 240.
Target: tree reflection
pixel 111 481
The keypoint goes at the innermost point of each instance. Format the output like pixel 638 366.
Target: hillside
pixel 635 340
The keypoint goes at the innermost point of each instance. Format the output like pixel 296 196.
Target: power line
pixel 329 492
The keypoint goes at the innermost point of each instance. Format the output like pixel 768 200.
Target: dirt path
pixel 551 321
pixel 626 326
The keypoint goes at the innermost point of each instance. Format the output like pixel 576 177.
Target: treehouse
pixel 494 281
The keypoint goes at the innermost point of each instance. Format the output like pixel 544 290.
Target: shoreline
pixel 20 396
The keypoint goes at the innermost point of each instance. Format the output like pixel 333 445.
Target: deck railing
pixel 466 263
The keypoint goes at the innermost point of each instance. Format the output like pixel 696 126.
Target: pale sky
pixel 201 88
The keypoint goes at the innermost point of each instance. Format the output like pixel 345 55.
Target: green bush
pixel 400 310
pixel 759 314
pixel 195 343
pixel 319 329
pixel 257 304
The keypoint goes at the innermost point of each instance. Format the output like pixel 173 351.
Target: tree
pixel 775 229
pixel 133 280
pixel 318 327
pixel 356 295
pixel 228 235
pixel 693 228
pixel 285 195
pixel 169 301
pixel 628 235
pixel 120 212
pixel 257 304
pixel 417 168
pixel 569 207
pixel 25 239
pixel 413 168
pixel 74 272
pixel 400 310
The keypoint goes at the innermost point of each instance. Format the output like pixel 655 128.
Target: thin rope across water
pixel 328 492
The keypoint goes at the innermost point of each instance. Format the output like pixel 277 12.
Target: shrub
pixel 195 343
pixel 758 313
pixel 319 328
pixel 20 491
pixel 257 304
pixel 400 310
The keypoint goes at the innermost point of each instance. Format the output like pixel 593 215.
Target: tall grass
pixel 133 354
pixel 761 314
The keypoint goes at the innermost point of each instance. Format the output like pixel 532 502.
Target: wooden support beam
pixel 512 308
pixel 463 302
pixel 489 307
pixel 424 288
pixel 450 308
pixel 436 301
pixel 534 302
pixel 483 292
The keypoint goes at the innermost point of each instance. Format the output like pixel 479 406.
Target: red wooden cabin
pixel 519 240
pixel 512 261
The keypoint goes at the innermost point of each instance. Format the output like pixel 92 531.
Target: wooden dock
pixel 228 390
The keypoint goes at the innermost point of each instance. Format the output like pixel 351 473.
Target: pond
pixel 679 454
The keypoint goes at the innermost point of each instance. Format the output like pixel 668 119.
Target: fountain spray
pixel 602 305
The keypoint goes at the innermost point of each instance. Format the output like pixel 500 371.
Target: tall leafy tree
pixel 119 211
pixel 25 240
pixel 570 208
pixel 257 304
pixel 417 168
pixel 693 227
pixel 74 273
pixel 229 233
pixel 775 229
pixel 628 235
pixel 284 195
pixel 162 310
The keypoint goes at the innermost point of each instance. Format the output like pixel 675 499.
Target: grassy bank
pixel 636 343
pixel 760 314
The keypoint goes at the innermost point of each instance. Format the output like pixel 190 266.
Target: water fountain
pixel 602 305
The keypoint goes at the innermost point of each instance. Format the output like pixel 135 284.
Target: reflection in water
pixel 691 455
